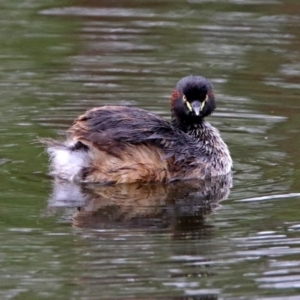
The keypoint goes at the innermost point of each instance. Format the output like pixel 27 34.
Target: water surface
pixel 186 241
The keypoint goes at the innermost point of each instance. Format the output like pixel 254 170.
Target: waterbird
pixel 120 144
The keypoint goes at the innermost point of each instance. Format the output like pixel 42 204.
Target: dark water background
pixel 59 58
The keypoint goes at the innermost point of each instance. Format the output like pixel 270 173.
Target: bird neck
pixel 194 129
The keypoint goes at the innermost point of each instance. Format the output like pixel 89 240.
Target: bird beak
pixel 197 106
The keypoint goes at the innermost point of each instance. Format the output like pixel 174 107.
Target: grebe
pixel 118 144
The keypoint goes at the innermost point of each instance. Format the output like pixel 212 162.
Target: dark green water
pixel 59 58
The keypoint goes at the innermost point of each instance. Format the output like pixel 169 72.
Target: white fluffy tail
pixel 67 161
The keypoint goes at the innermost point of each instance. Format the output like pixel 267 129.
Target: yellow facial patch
pixel 187 103
pixel 204 102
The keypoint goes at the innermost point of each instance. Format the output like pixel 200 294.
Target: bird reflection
pixel 179 207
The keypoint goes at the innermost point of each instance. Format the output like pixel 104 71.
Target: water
pixel 59 58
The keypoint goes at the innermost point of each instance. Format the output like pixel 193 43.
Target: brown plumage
pixel 117 144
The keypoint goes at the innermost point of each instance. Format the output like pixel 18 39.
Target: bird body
pixel 118 144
